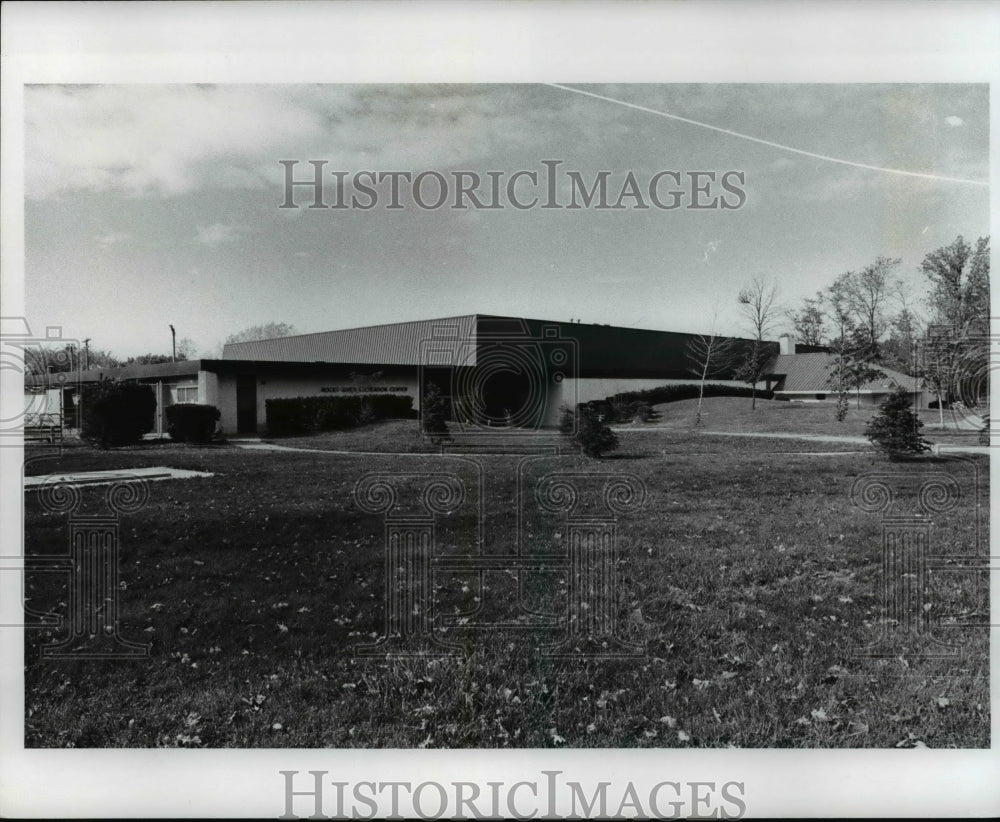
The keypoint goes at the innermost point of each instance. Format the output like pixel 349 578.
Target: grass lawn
pixel 771 416
pixel 749 578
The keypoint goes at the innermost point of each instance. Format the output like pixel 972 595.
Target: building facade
pixel 494 370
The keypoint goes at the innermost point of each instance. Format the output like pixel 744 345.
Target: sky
pixel 150 205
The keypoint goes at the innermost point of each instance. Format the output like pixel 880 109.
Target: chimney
pixel 786 344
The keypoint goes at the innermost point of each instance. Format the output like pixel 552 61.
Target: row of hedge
pixel 116 413
pixel 310 415
pixel 687 391
pixel 192 422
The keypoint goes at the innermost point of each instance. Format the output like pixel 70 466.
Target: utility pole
pixel 86 353
pixel 173 340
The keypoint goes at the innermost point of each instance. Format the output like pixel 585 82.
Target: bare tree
pixel 760 311
pixel 268 331
pixel 863 296
pixel 709 354
pixel 809 322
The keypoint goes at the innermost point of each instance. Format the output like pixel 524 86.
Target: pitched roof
pixel 395 344
pixel 592 350
pixel 811 373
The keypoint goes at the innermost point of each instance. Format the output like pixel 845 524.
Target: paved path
pixel 269 446
pixel 107 477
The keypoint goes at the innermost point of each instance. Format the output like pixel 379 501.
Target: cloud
pixel 217 234
pixel 954 121
pixel 156 139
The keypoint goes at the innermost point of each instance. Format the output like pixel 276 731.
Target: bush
pixel 685 391
pixel 434 414
pixel 593 436
pixel 311 415
pixel 567 420
pixel 191 422
pixel 984 432
pixel 895 430
pixel 116 413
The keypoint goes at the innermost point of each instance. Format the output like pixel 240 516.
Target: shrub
pixel 116 413
pixel 984 432
pixel 311 415
pixel 686 391
pixel 434 414
pixel 567 420
pixel 593 436
pixel 895 430
pixel 191 422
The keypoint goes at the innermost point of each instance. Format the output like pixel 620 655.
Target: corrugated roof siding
pixel 811 372
pixel 395 344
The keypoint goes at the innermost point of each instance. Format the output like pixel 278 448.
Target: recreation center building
pixel 495 370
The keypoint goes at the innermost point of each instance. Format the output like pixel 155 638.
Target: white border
pixel 487 42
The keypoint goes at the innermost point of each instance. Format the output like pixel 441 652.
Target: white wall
pixel 281 387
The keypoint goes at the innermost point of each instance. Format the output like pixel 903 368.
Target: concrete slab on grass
pixel 107 477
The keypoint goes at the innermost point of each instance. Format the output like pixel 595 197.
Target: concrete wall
pixel 225 401
pixel 271 386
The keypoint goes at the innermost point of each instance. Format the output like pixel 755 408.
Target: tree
pixel 434 415
pixel 899 349
pixel 267 331
pixel 895 430
pixel 116 413
pixel 709 354
pixel 955 346
pixel 809 322
pixel 862 297
pixel 757 304
pixel 187 349
pixel 960 285
pixel 151 359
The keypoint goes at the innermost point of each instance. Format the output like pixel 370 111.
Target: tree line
pixel 869 320
pixel 72 357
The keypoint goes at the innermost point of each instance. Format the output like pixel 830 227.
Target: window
pixel 187 393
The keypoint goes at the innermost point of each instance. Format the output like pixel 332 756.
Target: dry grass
pixel 749 578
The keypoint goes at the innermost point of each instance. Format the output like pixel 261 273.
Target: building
pixel 495 370
pixel 810 376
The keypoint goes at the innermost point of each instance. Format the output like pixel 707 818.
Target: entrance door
pixel 246 404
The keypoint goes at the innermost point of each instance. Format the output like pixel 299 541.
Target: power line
pixel 779 146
